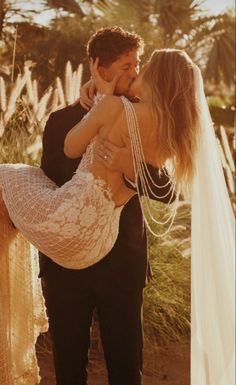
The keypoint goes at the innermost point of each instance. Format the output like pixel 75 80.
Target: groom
pixel 114 286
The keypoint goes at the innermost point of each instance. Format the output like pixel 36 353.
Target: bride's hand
pixel 95 84
pixel 103 87
pixel 87 93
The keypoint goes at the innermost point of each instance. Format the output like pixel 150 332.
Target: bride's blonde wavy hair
pixel 170 77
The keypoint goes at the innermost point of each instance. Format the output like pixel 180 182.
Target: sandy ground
pixel 163 365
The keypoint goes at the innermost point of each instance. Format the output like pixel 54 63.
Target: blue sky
pixel 216 6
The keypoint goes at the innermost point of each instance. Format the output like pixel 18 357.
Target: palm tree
pixel 221 56
pixel 209 40
pixel 70 6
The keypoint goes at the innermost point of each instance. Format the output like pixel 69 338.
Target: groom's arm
pixel 160 186
pixel 49 150
pixel 120 159
pixel 54 163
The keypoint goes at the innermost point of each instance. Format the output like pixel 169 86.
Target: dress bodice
pixel 87 158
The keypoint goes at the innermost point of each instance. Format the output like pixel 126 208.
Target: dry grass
pixel 167 297
pixel 23 114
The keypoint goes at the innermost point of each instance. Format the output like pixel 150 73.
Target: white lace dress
pixel 75 225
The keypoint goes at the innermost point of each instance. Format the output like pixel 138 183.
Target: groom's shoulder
pixel 68 114
pixel 62 120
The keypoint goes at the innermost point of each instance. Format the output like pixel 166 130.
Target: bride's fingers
pixel 90 62
pixel 96 63
pixel 108 146
pixel 85 100
pixel 77 101
pixel 94 70
pixel 103 86
pixel 88 101
pixel 85 105
pixel 92 90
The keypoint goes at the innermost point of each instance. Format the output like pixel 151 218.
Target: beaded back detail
pixel 144 180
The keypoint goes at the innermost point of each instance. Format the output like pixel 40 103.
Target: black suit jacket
pixel 127 260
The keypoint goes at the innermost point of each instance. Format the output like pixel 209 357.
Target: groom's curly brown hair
pixel 108 44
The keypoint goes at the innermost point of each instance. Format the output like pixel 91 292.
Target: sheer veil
pixel 212 241
pixel 212 280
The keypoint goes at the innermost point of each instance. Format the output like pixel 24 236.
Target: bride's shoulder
pixel 111 104
pixel 112 100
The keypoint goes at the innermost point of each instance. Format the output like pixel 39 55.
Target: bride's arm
pixel 81 134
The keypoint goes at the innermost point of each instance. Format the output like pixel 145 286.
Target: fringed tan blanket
pixel 22 310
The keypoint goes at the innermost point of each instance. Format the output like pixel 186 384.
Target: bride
pixel 77 224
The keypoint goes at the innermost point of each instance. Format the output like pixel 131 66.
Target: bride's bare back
pixel 115 131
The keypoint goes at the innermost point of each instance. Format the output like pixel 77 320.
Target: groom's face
pixel 127 66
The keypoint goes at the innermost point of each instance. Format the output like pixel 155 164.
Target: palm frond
pixel 71 6
pixel 220 64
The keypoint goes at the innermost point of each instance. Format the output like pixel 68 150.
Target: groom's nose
pixel 133 72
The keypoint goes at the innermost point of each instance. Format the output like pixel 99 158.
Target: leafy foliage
pixel 167 297
pixel 163 23
pixel 70 6
pixel 23 113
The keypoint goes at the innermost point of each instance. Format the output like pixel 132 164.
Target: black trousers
pixel 71 297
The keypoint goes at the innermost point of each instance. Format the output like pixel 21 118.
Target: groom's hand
pixel 87 93
pixel 115 158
